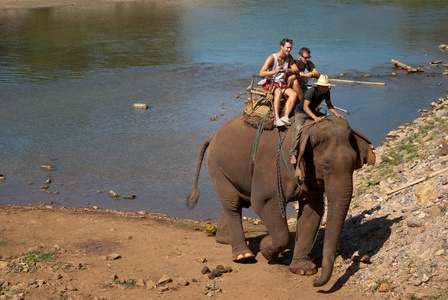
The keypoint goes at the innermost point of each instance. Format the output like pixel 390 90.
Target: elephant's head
pixel 329 152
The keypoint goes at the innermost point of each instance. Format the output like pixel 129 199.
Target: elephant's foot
pixel 266 249
pixel 303 266
pixel 243 256
pixel 222 237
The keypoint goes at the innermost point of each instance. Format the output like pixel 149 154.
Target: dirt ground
pixel 97 254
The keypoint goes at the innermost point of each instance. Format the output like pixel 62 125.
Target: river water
pixel 69 76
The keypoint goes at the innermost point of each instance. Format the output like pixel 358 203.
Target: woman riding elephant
pixel 329 152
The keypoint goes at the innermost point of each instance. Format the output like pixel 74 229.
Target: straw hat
pixel 323 80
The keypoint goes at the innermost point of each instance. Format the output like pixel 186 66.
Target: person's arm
pixel 293 66
pixel 306 108
pixel 331 108
pixel 268 64
pixel 314 73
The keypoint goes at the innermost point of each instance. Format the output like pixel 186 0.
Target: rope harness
pixel 280 195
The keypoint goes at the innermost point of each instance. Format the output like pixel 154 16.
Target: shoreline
pixel 29 4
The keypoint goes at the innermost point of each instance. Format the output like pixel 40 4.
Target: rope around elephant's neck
pixel 280 195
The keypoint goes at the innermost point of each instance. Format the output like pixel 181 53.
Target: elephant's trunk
pixel 338 204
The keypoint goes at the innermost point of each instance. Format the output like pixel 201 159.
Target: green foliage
pixel 442 208
pixel 28 263
pixel 442 295
pixel 213 287
pixel 129 283
pixel 379 282
pixel 62 296
pixel 39 255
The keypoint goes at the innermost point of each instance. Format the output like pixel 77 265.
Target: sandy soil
pixel 92 247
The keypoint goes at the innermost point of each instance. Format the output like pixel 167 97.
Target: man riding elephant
pixel 329 152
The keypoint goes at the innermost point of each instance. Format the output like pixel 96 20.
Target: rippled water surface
pixel 69 76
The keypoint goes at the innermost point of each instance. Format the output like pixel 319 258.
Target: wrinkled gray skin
pixel 329 152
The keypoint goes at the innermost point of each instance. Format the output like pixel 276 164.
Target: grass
pixel 379 282
pixel 129 283
pixel 28 263
pixel 442 295
pixel 213 287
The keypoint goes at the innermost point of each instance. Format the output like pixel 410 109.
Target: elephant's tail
pixel 193 198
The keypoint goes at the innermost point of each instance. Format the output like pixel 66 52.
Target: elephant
pixel 244 175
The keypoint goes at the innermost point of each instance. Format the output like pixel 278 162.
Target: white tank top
pixel 280 77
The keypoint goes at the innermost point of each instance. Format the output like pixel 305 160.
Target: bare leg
pixel 277 102
pixel 295 85
pixel 290 103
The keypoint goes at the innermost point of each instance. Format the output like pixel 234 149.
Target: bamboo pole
pixel 340 109
pixel 406 67
pixel 251 87
pixel 357 81
pixel 417 181
pixel 314 122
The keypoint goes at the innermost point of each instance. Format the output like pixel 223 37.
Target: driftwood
pixel 406 67
pixel 357 81
pixel 417 181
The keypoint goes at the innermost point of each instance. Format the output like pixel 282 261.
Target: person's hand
pixel 279 69
pixel 340 116
pixel 318 119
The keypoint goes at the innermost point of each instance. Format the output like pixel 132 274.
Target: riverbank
pixel 20 4
pixel 393 246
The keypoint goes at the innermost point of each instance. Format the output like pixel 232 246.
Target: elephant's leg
pixel 240 251
pixel 308 221
pixel 222 234
pixel 278 239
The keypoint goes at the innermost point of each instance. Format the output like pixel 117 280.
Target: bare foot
pixel 293 160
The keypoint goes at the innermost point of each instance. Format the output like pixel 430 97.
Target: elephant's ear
pixel 301 158
pixel 364 149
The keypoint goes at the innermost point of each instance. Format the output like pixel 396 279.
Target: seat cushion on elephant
pixel 261 107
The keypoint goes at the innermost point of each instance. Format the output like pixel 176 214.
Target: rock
pixel 413 224
pixel 384 287
pixel 439 252
pixel 444 149
pixel 150 284
pixel 205 270
pixel 182 282
pixel 365 259
pixel 48 167
pixel 441 113
pixel 215 273
pixel 140 106
pixel 425 193
pixel 113 256
pixel 3 264
pixel 113 194
pixel 164 279
pixel 141 283
pixel 201 259
pixel 131 197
